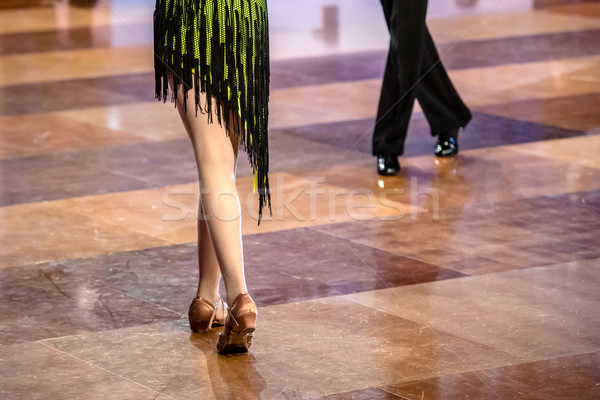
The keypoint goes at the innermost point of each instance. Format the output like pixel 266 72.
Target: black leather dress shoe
pixel 387 165
pixel 447 145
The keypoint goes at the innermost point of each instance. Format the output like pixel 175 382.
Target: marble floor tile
pixel 546 378
pixel 174 362
pixel 321 103
pixel 483 86
pixel 297 154
pixel 507 24
pixel 587 198
pixel 554 317
pixel 527 81
pixel 376 348
pixel 139 219
pixel 298 201
pixel 484 130
pixel 97 171
pixel 545 4
pixel 60 175
pixel 364 394
pixel 101 127
pixel 459 55
pixel 39 232
pixel 536 380
pixel 319 265
pixel 331 102
pixel 15 4
pixel 24 136
pixel 327 69
pixel 346 137
pixel 45 97
pixel 520 49
pixel 168 213
pixel 482 238
pixel 76 39
pixel 62 16
pixel 501 164
pixel 162 278
pixel 145 217
pixel 476 177
pixel 167 276
pixel 581 151
pixel 149 121
pixel 31 297
pixel 36 371
pixel 157 163
pixel 296 150
pixel 574 112
pixel 75 64
pixel 465 385
pixel 345 67
pixel 587 9
pixel 127 88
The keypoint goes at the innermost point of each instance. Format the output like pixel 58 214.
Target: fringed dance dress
pixel 220 48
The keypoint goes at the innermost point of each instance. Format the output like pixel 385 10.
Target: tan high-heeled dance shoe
pixel 239 326
pixel 204 315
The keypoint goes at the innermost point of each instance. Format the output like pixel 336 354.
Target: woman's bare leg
pixel 219 235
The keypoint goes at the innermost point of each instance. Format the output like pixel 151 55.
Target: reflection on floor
pixel 475 277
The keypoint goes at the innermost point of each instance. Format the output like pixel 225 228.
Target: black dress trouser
pixel 413 70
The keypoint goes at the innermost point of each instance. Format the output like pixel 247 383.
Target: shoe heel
pixel 239 327
pixel 233 343
pixel 247 322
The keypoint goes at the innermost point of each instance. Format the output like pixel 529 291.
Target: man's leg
pixel 406 23
pixel 441 103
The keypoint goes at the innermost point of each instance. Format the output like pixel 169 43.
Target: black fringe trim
pixel 170 60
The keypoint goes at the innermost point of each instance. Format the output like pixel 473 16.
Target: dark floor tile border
pixel 158 164
pixel 160 282
pixel 130 88
pixel 20 4
pixel 521 49
pixel 56 176
pixel 540 4
pixel 460 55
pixel 584 199
pixel 485 130
pixel 541 379
pixel 541 240
pixel 577 111
pixel 77 94
pixel 325 265
pixel 336 68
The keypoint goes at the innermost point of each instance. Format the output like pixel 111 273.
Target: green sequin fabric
pixel 221 48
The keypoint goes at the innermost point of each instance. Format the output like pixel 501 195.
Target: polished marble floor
pixel 476 277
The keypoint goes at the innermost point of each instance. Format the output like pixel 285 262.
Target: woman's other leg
pixel 219 234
